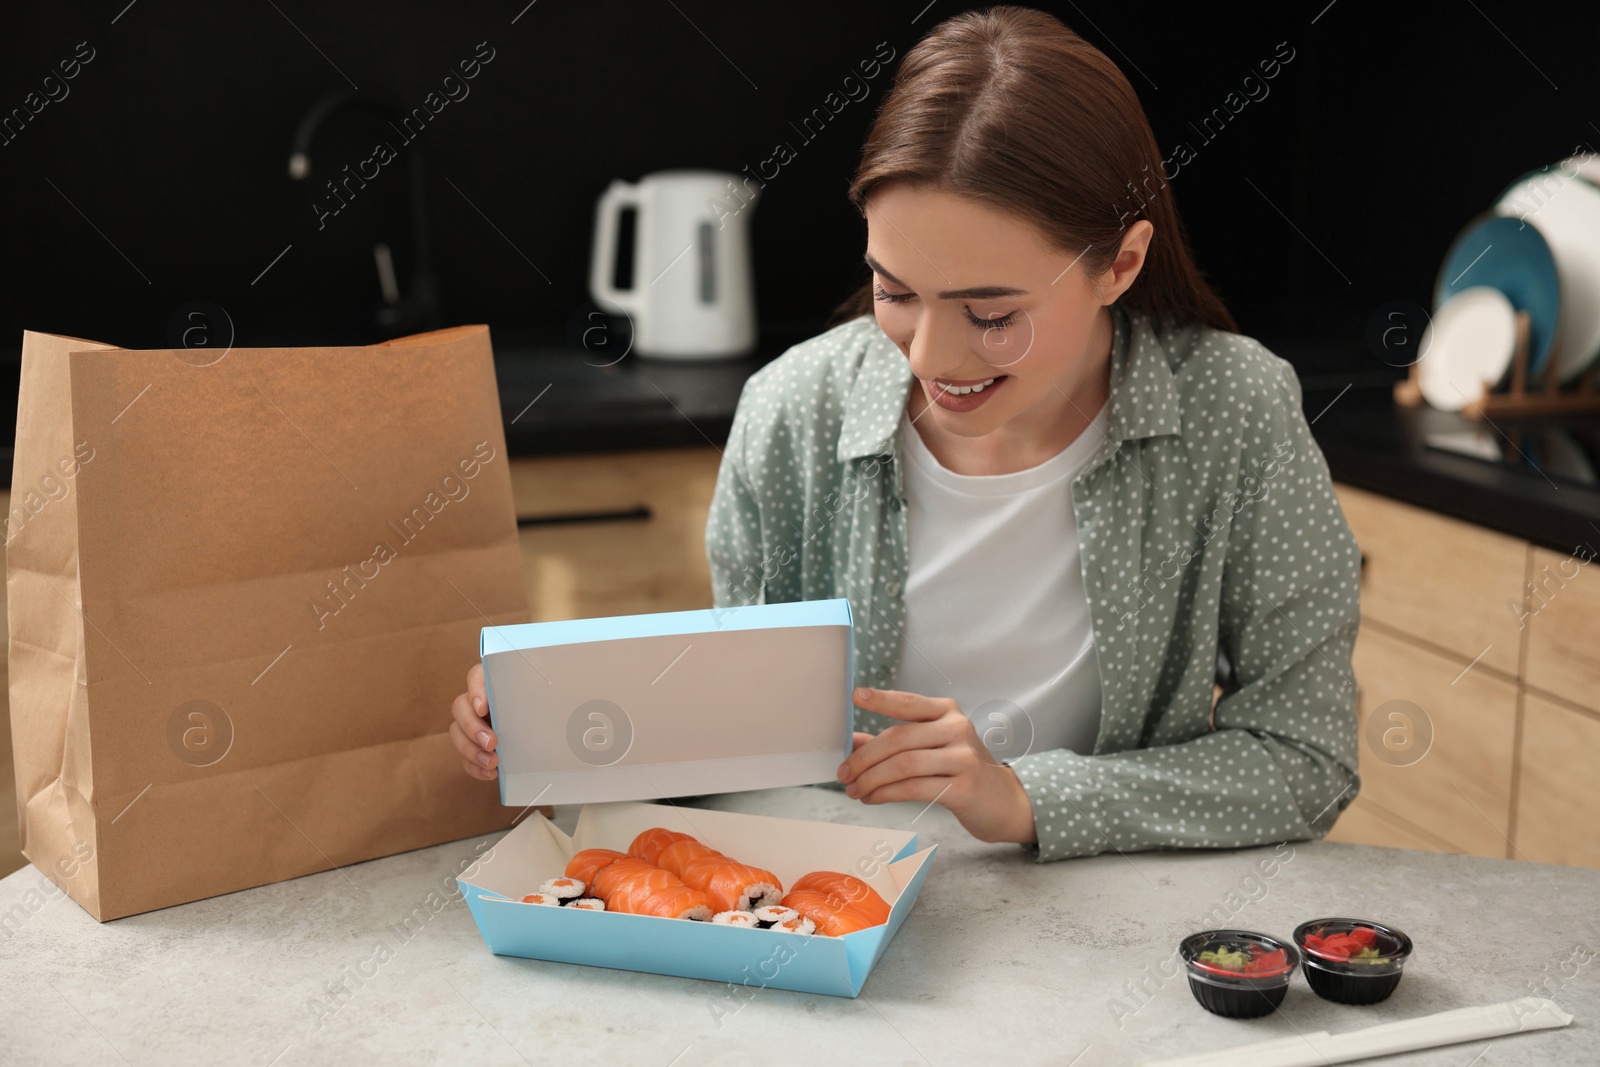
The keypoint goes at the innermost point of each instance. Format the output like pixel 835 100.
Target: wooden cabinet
pixel 1558 806
pixel 1459 791
pixel 1365 823
pixel 594 560
pixel 1443 582
pixel 1498 644
pixel 1563 621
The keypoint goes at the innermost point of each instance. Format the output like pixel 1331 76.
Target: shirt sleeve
pixel 1279 762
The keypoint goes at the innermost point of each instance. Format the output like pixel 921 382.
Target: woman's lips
pixel 970 401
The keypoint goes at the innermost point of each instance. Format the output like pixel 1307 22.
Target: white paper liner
pixel 1408 1035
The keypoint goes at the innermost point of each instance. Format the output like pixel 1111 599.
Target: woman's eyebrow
pixel 982 292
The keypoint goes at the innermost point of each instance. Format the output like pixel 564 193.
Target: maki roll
pixel 588 904
pixel 734 918
pixel 797 925
pixel 773 914
pixel 566 890
pixel 541 898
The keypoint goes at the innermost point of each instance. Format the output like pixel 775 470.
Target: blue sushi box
pixel 618 713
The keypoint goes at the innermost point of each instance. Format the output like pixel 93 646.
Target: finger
pixel 473 769
pixel 898 704
pixel 858 739
pixel 477 691
pixel 894 740
pixel 469 749
pixel 471 726
pixel 916 763
pixel 919 790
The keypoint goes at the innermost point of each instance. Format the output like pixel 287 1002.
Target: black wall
pixel 1391 126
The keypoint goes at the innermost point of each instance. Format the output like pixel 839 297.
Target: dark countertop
pixel 556 400
pixel 1543 487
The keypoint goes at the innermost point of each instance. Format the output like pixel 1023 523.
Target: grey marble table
pixel 1002 960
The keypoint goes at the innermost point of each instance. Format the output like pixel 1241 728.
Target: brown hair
pixel 1010 107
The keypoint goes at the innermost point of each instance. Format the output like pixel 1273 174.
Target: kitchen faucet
pixel 418 309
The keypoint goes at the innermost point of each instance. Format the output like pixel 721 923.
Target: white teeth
pixel 963 390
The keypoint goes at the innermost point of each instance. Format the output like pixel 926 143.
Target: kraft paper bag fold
pixel 243 591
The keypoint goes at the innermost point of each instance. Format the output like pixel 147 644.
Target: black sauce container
pixel 1355 980
pixel 1237 994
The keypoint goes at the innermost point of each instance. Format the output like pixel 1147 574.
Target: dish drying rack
pixel 1517 398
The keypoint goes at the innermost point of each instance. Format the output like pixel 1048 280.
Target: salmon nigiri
pixel 848 889
pixel 830 917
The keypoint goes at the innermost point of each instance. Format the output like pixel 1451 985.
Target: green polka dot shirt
pixel 1207 524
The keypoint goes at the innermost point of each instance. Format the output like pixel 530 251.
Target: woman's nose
pixel 933 351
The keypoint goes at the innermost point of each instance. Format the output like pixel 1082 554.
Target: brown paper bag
pixel 243 592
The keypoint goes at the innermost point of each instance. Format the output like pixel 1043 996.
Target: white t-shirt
pixel 996 612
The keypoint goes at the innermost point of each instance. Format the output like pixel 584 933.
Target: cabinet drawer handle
pixel 636 513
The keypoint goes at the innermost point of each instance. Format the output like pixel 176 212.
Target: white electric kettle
pixel 692 295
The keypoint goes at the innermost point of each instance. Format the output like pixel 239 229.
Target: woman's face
pixel 974 295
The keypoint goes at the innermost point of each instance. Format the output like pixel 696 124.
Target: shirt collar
pixel 1144 399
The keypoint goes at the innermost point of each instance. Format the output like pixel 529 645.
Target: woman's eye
pixel 997 322
pixel 880 293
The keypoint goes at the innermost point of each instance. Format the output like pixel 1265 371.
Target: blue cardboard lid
pixel 679 703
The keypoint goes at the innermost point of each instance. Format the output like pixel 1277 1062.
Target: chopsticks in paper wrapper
pixel 1429 1031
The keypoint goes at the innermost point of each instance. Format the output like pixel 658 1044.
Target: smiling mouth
pixel 974 385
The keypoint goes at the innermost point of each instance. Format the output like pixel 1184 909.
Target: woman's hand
pixel 469 728
pixel 935 755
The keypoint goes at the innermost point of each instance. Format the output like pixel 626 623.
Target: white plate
pixel 1586 166
pixel 1565 208
pixel 1468 345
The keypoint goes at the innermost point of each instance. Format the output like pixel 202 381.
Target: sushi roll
pixel 648 845
pixel 565 890
pixel 728 884
pixel 541 898
pixel 773 914
pixel 590 862
pixel 751 887
pixel 620 872
pixel 732 886
pixel 588 904
pixel 675 902
pixel 797 925
pixel 631 885
pixel 734 918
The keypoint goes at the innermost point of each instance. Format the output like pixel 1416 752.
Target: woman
pixel 1056 486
